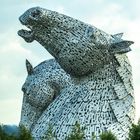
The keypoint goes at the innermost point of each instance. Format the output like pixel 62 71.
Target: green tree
pixel 77 133
pixel 24 134
pixel 49 135
pixel 93 136
pixel 5 136
pixel 134 132
pixel 2 133
pixel 107 136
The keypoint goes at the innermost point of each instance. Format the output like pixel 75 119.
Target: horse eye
pixel 35 15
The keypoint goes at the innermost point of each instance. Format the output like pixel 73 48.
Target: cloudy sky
pixel 108 15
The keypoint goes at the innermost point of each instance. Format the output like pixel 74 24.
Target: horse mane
pixel 124 106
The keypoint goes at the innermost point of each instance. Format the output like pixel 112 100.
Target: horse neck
pixel 106 73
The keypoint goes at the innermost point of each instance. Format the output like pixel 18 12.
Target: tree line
pixel 76 134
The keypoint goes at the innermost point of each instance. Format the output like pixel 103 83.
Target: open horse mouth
pixel 27 35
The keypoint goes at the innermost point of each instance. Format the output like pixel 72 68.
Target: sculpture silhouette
pixel 91 76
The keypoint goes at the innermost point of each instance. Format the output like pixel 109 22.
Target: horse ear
pixel 119 35
pixel 29 67
pixel 121 46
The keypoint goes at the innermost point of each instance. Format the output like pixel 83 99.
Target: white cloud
pixel 60 9
pixel 10 110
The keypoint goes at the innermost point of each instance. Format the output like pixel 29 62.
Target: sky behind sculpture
pixel 110 16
